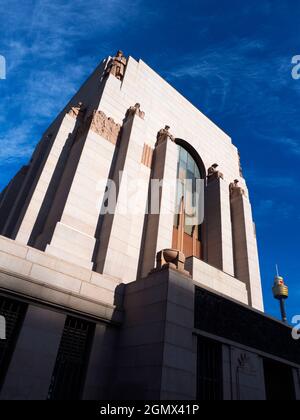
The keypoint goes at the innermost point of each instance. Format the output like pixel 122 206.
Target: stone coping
pixel 208 276
pixel 37 275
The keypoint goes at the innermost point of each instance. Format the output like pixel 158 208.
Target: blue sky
pixel 231 58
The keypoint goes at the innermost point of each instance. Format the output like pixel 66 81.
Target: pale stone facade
pixel 62 257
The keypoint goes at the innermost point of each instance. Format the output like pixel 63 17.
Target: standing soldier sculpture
pixel 164 134
pixel 117 65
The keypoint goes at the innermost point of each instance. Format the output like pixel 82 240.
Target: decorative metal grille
pixel 14 313
pixel 222 317
pixel 279 381
pixel 71 362
pixel 209 370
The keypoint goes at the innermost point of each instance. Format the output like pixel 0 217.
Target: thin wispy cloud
pixel 267 181
pixel 288 146
pixel 40 42
pixel 272 211
pixel 229 71
pixel 291 145
pixel 15 144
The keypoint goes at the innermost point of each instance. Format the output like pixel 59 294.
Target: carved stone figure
pixel 117 65
pixel 105 126
pixel 164 134
pixel 212 170
pixel 77 111
pixel 213 173
pixel 235 189
pixel 135 110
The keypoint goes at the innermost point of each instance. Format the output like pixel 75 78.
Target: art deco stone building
pixel 134 305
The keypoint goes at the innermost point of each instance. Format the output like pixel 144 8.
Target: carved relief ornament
pixel 97 122
pixel 105 126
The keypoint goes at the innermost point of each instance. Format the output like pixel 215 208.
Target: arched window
pixel 186 234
